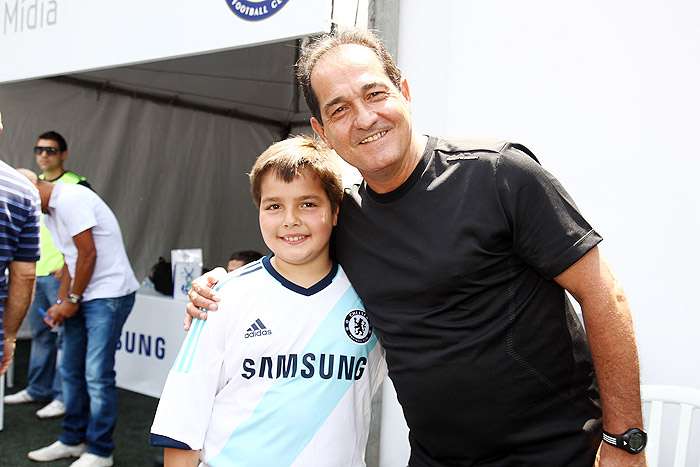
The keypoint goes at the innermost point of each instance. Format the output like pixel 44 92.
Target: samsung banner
pixel 40 38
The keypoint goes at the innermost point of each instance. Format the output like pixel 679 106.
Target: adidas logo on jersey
pixel 257 329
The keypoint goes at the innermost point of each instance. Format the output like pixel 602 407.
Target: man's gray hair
pixel 311 54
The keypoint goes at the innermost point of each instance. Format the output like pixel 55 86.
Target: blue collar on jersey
pixel 317 287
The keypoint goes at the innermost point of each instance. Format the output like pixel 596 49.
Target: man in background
pixel 97 293
pixel 51 152
pixel 44 378
pixel 241 258
pixel 19 251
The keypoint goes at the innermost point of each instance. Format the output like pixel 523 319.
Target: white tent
pixel 165 105
pixel 165 111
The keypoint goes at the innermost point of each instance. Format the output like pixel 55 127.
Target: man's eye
pixel 338 110
pixel 376 95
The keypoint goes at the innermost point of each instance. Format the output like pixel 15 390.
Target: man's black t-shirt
pixel 455 269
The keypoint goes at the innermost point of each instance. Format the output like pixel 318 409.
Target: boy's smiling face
pixel 296 220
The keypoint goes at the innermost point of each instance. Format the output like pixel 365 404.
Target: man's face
pixel 234 264
pixel 50 162
pixel 365 118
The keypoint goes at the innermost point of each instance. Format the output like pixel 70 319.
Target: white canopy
pixel 164 104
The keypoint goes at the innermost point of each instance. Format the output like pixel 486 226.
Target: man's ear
pixel 64 156
pixel 320 131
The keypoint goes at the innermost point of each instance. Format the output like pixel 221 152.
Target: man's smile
pixel 374 137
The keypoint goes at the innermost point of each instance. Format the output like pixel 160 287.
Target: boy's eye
pixel 272 207
pixel 308 204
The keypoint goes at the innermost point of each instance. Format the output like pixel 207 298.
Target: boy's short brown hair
pixel 294 156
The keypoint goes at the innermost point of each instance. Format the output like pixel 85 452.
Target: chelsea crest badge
pixel 357 326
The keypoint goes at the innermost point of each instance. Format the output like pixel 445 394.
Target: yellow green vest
pixel 52 259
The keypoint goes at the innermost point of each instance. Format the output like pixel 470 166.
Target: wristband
pixel 74 299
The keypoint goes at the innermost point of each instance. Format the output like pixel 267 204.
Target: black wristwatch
pixel 633 440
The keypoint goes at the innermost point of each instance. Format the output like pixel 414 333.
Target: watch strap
pixel 633 440
pixel 610 439
pixel 74 298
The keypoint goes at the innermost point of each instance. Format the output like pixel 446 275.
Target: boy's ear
pixel 335 213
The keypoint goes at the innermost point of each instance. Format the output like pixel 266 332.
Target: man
pixel 461 251
pixel 51 152
pixel 44 379
pixel 97 293
pixel 19 251
pixel 241 258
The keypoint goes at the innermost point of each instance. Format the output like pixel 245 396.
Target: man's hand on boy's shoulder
pixel 202 296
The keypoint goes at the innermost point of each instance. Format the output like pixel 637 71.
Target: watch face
pixel 636 441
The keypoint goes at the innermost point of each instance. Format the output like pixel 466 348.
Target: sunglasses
pixel 48 149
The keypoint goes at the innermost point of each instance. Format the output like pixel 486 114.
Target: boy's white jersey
pixel 279 376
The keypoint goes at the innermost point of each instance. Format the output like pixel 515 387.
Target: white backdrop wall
pixel 175 178
pixel 606 94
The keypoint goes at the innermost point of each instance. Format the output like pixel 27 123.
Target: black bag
pixel 162 277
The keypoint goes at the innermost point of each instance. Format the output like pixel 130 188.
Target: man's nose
pixel 365 116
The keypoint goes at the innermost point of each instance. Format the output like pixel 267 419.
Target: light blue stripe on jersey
pixel 242 271
pixel 184 359
pixel 293 410
pixel 183 362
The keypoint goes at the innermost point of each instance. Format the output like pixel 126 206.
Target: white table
pixel 149 343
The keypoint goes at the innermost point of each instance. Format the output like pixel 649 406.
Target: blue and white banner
pixel 40 38
pixel 149 343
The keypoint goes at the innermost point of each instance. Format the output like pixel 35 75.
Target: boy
pixel 287 376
